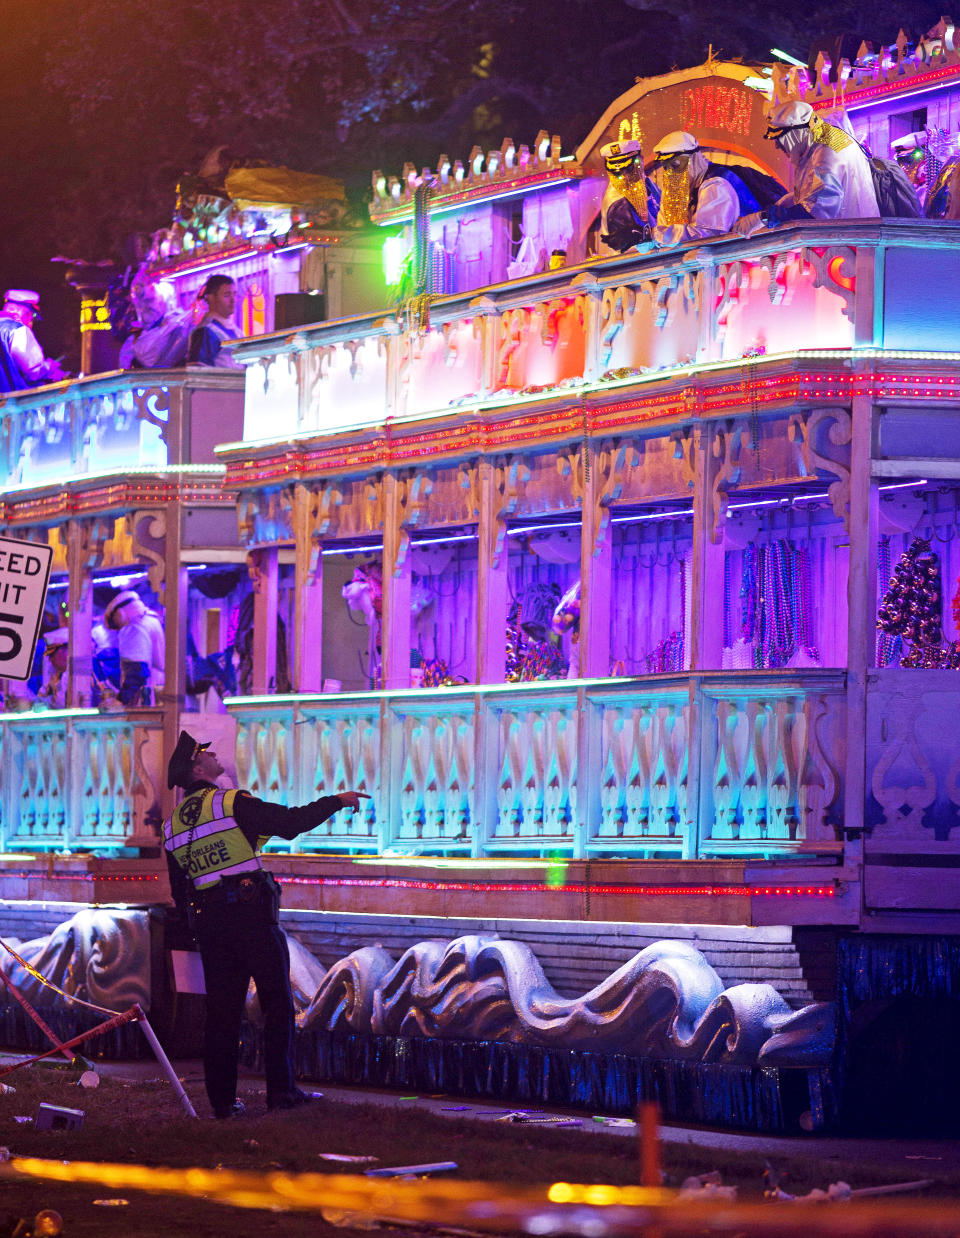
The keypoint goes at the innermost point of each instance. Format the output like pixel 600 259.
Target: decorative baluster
pixel 614 775
pixel 727 777
pixel 755 718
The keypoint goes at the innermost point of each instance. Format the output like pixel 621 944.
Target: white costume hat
pixel 793 115
pixel 23 296
pixel 619 155
pixel 677 143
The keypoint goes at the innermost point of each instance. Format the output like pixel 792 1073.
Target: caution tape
pixel 562 1208
pixel 71 997
pixel 128 1016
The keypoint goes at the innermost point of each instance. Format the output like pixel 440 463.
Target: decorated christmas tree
pixel 912 608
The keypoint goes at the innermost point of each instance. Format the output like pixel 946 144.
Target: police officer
pixel 212 844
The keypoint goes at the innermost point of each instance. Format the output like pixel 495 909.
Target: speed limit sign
pixel 24 573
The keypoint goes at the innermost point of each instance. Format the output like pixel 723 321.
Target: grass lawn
pixel 142 1123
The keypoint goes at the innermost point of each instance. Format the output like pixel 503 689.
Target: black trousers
pixel 234 952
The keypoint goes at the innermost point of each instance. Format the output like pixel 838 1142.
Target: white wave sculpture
pixel 667 1001
pixel 101 956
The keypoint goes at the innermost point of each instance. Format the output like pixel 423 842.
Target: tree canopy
pixel 107 105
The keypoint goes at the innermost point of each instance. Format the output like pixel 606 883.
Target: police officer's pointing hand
pixel 351 799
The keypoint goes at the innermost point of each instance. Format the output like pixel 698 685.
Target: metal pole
pixel 165 1062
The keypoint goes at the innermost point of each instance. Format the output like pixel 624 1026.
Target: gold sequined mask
pixel 674 194
pixel 631 184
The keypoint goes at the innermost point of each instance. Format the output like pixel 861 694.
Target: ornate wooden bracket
pixel 510 477
pixel 468 479
pixel 266 515
pixel 513 328
pixel 325 509
pixel 727 443
pixel 153 405
pixel 92 536
pixel 149 537
pixel 612 464
pixel 836 426
pixel 353 347
pixel 413 495
pixel 58 544
pixel 684 450
pixel 616 306
pixel 118 547
pixel 374 503
pixel 835 270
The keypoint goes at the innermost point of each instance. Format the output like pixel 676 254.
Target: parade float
pixel 621 583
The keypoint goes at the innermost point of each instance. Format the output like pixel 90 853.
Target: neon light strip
pixel 903 88
pixel 399 213
pixel 45 715
pixel 353 550
pixel 251 252
pixel 577 887
pixel 318 700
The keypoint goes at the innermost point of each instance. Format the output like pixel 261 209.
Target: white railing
pixel 80 780
pixel 138 421
pixel 809 287
pixel 686 765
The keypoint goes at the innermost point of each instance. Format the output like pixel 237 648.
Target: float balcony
pixel 857 288
pixel 115 425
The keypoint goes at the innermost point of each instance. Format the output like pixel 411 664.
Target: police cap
pixel 181 763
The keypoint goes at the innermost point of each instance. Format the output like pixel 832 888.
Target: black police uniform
pixel 236 923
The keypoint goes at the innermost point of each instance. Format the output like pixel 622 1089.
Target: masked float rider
pixel 698 199
pixel 212 843
pixel 625 213
pixel 832 177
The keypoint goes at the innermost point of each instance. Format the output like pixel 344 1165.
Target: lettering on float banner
pixel 24 575
pixel 721 113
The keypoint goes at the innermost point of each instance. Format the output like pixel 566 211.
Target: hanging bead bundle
pixel 912 608
pixel 776 613
pixel 667 656
pixel 424 264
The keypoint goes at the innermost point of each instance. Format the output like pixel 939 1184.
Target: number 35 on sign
pixel 24 574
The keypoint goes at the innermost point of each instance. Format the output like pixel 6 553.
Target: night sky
pixel 106 105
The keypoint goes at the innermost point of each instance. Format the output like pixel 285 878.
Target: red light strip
pixel 31 873
pixel 391 446
pixel 482 887
pixel 578 887
pixel 122 495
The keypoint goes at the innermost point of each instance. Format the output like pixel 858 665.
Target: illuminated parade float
pixel 621 583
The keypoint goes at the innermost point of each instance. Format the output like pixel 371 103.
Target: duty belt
pixel 240 888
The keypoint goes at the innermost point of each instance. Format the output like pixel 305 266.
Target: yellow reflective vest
pixel 206 841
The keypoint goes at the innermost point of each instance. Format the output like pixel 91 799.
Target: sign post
pixel 24 575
